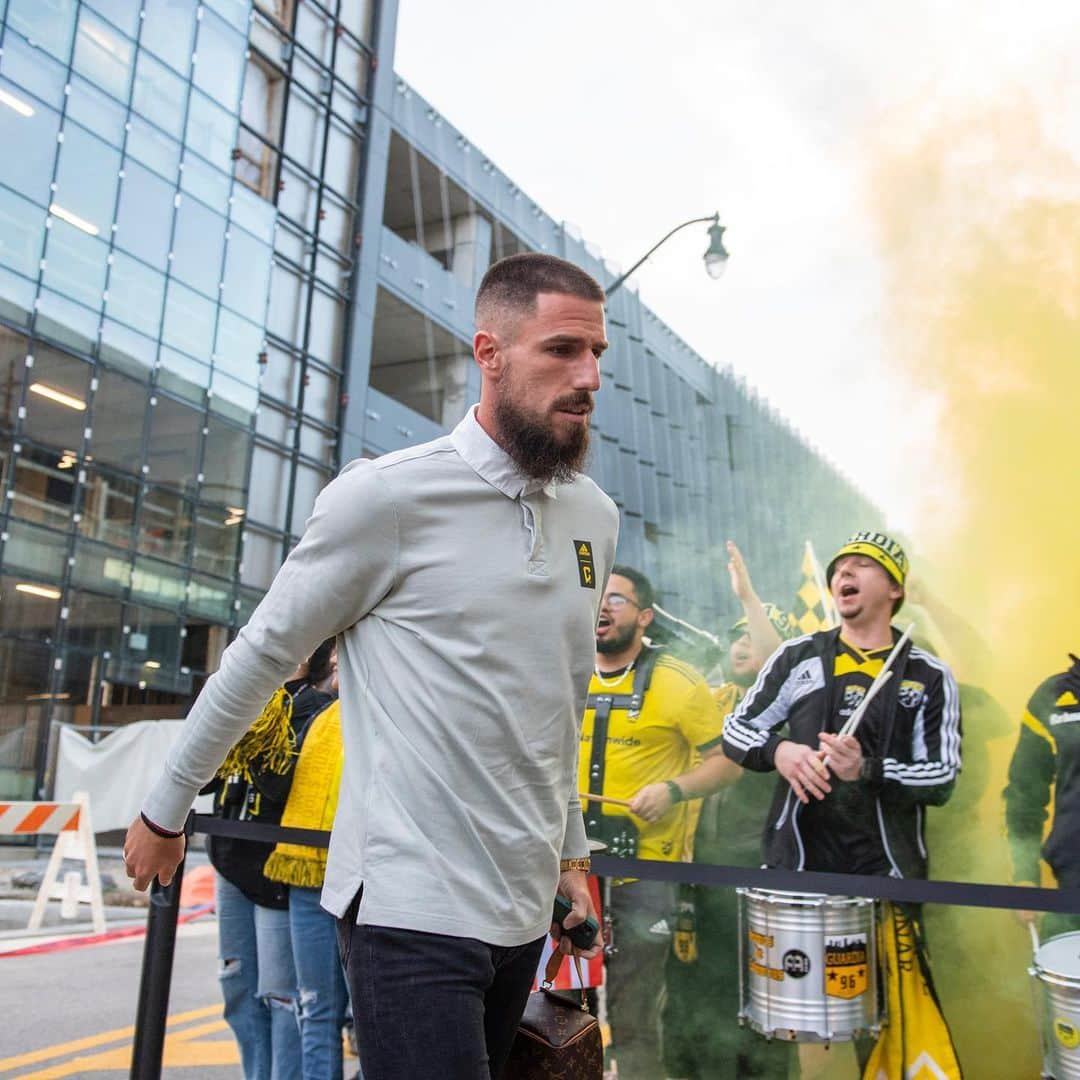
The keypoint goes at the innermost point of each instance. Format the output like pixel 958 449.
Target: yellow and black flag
pixel 812 609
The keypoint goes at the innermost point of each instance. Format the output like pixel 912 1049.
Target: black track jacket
pixel 1047 762
pixel 915 763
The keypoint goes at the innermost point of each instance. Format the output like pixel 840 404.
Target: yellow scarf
pixel 312 802
pixel 269 743
pixel 915 1043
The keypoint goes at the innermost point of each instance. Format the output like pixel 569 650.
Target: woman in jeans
pixel 257 974
pixel 324 996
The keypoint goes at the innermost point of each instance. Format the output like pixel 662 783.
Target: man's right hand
pixel 802 767
pixel 147 855
pixel 741 585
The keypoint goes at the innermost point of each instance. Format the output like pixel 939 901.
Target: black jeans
pixel 433 1007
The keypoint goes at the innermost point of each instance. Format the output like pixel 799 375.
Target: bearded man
pixel 465 582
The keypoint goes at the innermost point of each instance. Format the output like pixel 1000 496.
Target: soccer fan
pixel 702 1035
pixel 1045 767
pixel 855 803
pixel 651 741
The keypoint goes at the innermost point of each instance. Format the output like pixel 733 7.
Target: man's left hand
pixel 574 885
pixel 651 803
pixel 845 755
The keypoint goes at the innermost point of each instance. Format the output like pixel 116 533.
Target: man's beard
pixel 617 644
pixel 535 447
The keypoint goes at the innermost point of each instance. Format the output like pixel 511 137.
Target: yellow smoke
pixel 979 223
pixel 978 220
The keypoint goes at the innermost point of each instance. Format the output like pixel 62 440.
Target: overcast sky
pixel 625 117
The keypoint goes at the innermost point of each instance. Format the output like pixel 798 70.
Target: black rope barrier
pixel 909 890
pixel 160 944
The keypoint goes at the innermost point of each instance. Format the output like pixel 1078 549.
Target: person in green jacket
pixel 1045 765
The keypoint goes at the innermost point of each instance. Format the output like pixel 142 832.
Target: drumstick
pixel 882 677
pixel 603 799
pixel 855 719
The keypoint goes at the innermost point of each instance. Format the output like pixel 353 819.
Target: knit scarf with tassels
pixel 268 745
pixel 312 802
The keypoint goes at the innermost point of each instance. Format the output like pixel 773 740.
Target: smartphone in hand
pixel 582 936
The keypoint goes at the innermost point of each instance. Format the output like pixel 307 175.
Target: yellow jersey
pixel 678 720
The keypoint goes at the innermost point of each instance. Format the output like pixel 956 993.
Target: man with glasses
pixel 651 741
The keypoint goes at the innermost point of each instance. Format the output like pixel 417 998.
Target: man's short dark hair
pixel 515 282
pixel 642 585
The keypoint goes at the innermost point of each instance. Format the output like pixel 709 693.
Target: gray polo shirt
pixel 466 597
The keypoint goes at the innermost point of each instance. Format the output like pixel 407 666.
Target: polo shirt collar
pixel 492 463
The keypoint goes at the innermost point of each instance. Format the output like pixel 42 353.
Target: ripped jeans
pixel 324 997
pixel 258 983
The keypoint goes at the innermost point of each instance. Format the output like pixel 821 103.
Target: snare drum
pixel 1056 969
pixel 808 966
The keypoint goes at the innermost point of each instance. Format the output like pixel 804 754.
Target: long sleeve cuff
pixel 168 803
pixel 768 751
pixel 575 842
pixel 872 772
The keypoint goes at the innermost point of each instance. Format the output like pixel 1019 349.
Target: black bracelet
pixel 675 791
pixel 157 830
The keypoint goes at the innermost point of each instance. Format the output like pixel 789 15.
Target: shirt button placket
pixel 534 523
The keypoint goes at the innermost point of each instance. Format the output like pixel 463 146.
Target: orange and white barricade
pixel 70 823
pixel 34 818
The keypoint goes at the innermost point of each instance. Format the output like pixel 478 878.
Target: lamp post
pixel 716 255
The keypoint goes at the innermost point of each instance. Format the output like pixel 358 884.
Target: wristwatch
pixel 575 864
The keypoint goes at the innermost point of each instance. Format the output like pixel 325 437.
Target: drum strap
pixel 603 704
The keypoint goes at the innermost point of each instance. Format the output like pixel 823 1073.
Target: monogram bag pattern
pixel 557 1039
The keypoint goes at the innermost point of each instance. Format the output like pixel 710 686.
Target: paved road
pixel 75 1009
pixel 69 1014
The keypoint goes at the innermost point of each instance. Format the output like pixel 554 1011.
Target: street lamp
pixel 716 255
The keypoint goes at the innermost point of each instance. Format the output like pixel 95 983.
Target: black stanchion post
pixel 156 978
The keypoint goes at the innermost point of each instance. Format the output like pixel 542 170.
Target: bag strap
pixel 551 973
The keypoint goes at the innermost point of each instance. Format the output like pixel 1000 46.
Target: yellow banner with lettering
pixel 915 1043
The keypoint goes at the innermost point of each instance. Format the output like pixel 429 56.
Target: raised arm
pixel 764 639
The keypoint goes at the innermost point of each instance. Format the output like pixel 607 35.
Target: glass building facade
pixel 235 252
pixel 177 238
